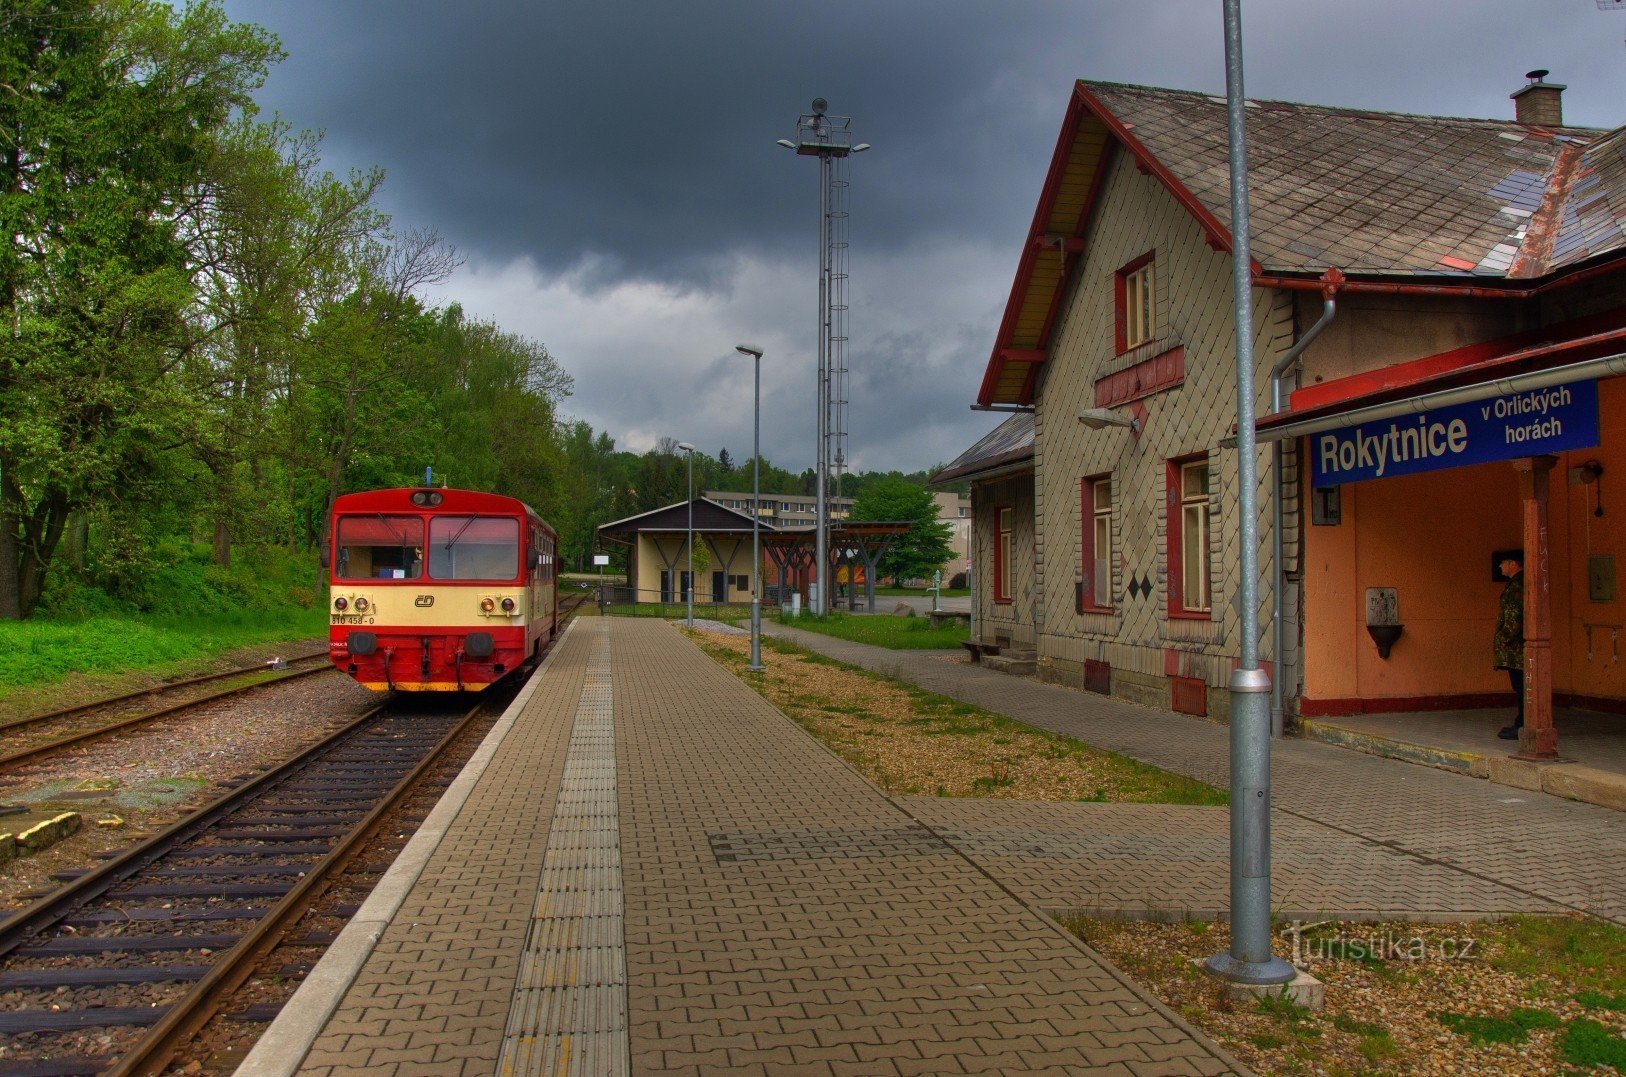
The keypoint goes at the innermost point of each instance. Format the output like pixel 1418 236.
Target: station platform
pixel 647 868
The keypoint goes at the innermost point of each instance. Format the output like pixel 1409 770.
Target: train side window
pixel 473 548
pixel 379 547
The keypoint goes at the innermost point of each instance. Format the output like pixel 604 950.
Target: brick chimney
pixel 1538 104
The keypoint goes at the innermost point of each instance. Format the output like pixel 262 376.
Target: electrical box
pixel 1382 606
pixel 1600 577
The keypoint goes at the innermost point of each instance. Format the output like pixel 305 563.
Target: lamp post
pixel 1249 960
pixel 688 542
pixel 755 665
pixel 829 138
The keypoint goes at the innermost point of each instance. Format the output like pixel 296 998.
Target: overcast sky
pixel 608 173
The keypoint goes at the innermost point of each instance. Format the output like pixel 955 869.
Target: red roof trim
pixel 1217 232
pixel 1573 341
pixel 1030 249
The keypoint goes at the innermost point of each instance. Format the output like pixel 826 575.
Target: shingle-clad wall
pixel 1012 620
pixel 1194 312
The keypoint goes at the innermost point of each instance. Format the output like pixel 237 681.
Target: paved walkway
pixel 1466 833
pixel 779 912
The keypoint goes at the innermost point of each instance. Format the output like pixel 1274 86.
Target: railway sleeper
pixel 206 890
pixel 67 1066
pixel 151 915
pixel 51 979
pixel 307 834
pixel 134 944
pixel 200 852
pixel 18 1022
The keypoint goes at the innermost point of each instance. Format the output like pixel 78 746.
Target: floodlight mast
pixel 829 138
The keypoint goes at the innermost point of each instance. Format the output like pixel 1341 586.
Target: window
pixel 1002 557
pixel 379 547
pixel 473 548
pixel 1135 296
pixel 1190 586
pixel 1096 501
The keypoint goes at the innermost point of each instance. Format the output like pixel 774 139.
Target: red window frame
pixel 1120 326
pixel 1086 505
pixel 1173 562
pixel 1004 546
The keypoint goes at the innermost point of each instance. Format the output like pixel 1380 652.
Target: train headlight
pixel 341 603
pixel 487 605
pixel 508 605
pixel 361 605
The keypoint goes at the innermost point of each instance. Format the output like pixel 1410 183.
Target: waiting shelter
pixel 658 555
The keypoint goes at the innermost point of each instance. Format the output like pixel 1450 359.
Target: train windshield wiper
pixel 466 525
pixel 399 537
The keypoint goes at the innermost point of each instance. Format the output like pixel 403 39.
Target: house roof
pixel 1456 203
pixel 1006 445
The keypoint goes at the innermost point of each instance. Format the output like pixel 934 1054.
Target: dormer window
pixel 1136 301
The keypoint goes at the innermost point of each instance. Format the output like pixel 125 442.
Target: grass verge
pixel 1526 995
pixel 911 742
pixel 895 633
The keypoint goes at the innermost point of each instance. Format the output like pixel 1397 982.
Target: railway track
pixel 150 941
pixel 40 735
pixel 117 970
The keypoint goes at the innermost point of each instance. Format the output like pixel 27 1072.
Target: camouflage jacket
pixel 1507 651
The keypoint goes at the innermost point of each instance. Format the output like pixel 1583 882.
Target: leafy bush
pixel 183 607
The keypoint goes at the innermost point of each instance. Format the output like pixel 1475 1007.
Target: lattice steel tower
pixel 829 138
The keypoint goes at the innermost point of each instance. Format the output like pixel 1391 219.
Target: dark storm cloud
pixel 609 173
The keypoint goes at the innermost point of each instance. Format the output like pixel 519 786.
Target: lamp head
pixel 749 349
pixel 685 446
pixel 787 143
pixel 1101 418
pixel 861 147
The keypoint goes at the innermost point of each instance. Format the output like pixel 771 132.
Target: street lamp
pixel 755 353
pixel 689 540
pixel 1249 960
pixel 829 138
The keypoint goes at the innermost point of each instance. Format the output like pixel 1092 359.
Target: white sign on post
pixel 601 559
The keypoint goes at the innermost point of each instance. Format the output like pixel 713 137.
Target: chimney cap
pixel 1538 74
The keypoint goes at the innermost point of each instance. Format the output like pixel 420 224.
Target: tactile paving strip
pixel 569 1013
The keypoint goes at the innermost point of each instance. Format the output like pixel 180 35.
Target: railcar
pixel 438 590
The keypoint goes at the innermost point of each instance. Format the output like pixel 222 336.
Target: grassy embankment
pixel 880 630
pixel 1527 995
pixel 912 742
pixel 188 611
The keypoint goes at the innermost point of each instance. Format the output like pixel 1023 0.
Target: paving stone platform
pixel 779 912
pixel 1450 827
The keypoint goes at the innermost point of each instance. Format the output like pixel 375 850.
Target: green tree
pixel 921 549
pixel 108 111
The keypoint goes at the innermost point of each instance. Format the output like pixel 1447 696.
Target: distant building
pixel 782 510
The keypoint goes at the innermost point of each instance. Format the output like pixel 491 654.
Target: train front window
pixel 473 548
pixel 379 547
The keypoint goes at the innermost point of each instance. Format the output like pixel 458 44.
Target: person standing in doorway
pixel 1507 650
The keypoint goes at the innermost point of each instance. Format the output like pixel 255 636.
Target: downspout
pixel 1288 364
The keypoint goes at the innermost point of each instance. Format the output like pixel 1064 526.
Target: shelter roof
pixel 1006 445
pixel 1459 203
pixel 709 516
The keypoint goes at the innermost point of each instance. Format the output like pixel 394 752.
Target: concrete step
pixel 1009 662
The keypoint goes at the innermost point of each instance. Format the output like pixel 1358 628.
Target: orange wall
pixel 1430 537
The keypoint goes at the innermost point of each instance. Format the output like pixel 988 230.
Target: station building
pixel 1442 302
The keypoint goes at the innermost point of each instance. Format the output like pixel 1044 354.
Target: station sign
pixel 1531 423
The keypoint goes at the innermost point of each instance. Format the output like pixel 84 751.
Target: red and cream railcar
pixel 436 590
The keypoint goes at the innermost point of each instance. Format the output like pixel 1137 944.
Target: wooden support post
pixel 1538 739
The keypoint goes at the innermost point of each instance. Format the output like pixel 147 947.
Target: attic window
pixel 1135 293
